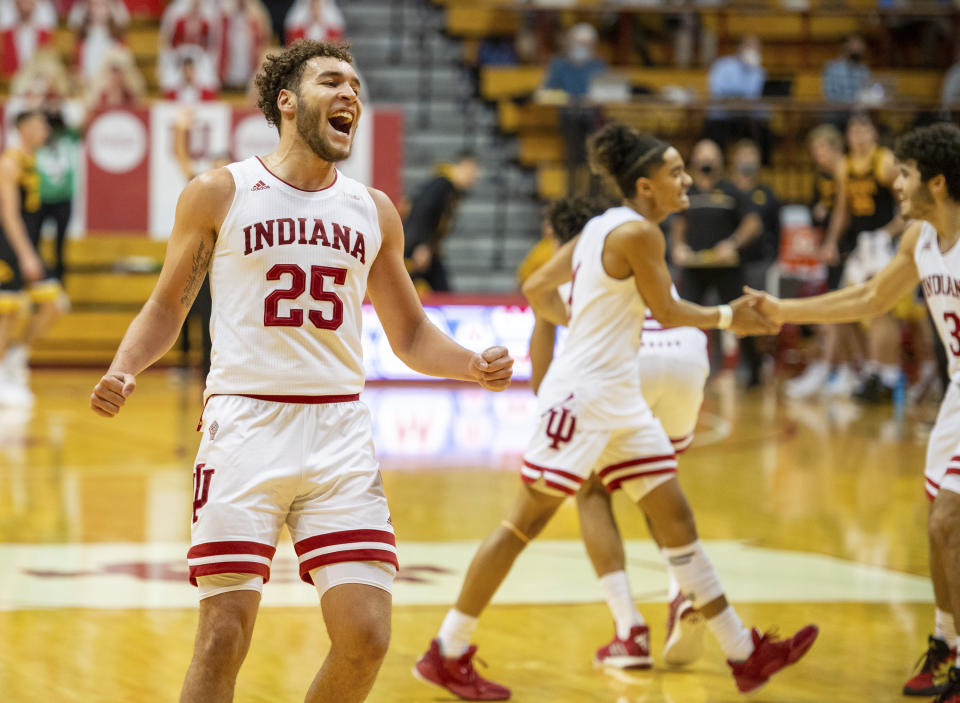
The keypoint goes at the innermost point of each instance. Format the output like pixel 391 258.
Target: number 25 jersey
pixel 288 278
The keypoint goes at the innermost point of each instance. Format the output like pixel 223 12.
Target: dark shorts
pixel 11 278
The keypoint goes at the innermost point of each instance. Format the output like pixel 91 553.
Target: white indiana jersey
pixel 683 344
pixel 940 280
pixel 288 278
pixel 598 365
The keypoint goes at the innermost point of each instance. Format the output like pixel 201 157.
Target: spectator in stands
pixel 192 87
pixel 708 237
pixel 99 26
pixel 319 20
pixel 570 75
pixel 950 92
pixel 740 76
pixel 189 28
pixel 25 26
pixel 44 78
pixel 431 215
pixel 245 32
pixel 757 256
pixel 845 78
pixel 119 82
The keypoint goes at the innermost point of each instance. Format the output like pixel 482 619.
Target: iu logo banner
pixel 201 487
pixel 560 426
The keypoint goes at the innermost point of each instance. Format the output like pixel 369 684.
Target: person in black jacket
pixel 430 219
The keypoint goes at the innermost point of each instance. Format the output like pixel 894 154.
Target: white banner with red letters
pixel 135 177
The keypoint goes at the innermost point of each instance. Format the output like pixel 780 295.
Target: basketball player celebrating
pixel 928 187
pixel 594 418
pixel 673 369
pixel 292 245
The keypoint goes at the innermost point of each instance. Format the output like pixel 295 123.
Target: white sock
pixel 890 374
pixel 616 588
pixel 456 632
pixel 945 629
pixel 735 640
pixel 871 368
pixel 673 588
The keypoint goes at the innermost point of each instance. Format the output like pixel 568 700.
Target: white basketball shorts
pixel 673 369
pixel 561 456
pixel 943 450
pixel 263 464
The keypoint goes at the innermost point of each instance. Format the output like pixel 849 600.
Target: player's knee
pixel 943 523
pixel 365 643
pixel 223 638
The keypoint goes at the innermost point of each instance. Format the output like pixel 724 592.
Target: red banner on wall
pixel 118 172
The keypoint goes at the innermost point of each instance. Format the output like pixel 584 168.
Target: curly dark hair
pixel 624 155
pixel 284 71
pixel 569 215
pixel 936 150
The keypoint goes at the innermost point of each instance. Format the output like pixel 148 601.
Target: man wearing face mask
pixel 572 73
pixel 757 256
pixel 707 239
pixel 738 77
pixel 846 77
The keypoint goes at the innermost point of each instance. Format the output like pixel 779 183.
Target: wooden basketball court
pixel 812 513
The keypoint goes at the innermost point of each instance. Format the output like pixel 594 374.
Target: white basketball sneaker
pixel 810 382
pixel 685 627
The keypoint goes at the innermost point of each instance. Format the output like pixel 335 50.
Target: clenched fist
pixel 111 393
pixel 492 368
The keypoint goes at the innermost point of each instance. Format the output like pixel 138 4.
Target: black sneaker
pixel 950 692
pixel 932 677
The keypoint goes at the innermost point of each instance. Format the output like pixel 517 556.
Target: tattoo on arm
pixel 201 262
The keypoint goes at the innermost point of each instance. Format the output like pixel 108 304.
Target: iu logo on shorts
pixel 201 487
pixel 560 426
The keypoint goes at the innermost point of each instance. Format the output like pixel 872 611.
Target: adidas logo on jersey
pixel 260 185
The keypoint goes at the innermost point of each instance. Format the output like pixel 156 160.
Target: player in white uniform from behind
pixel 594 418
pixel 292 247
pixel 674 366
pixel 928 187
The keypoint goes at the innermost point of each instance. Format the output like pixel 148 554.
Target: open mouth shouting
pixel 342 121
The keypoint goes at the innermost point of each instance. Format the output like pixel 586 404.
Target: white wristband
pixel 726 316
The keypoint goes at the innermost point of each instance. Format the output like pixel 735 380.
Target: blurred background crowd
pixel 785 111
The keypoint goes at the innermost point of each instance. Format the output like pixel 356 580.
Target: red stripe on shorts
pixel 346 555
pixel 229 567
pixel 558 472
pixel 636 462
pixel 216 549
pixel 344 537
pixel 616 483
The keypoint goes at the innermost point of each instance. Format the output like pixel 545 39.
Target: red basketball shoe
pixel 771 654
pixel 684 633
pixel 951 689
pixel 631 653
pixel 932 677
pixel 457 675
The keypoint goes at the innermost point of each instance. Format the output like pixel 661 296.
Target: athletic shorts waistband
pixel 303 399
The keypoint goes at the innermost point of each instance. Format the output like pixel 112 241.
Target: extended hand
pixel 768 305
pixel 492 368
pixel 748 319
pixel 111 393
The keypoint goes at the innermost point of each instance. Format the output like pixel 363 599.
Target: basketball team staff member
pixel 21 270
pixel 292 246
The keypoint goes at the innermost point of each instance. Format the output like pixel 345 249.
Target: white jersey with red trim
pixel 288 278
pixel 940 280
pixel 597 370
